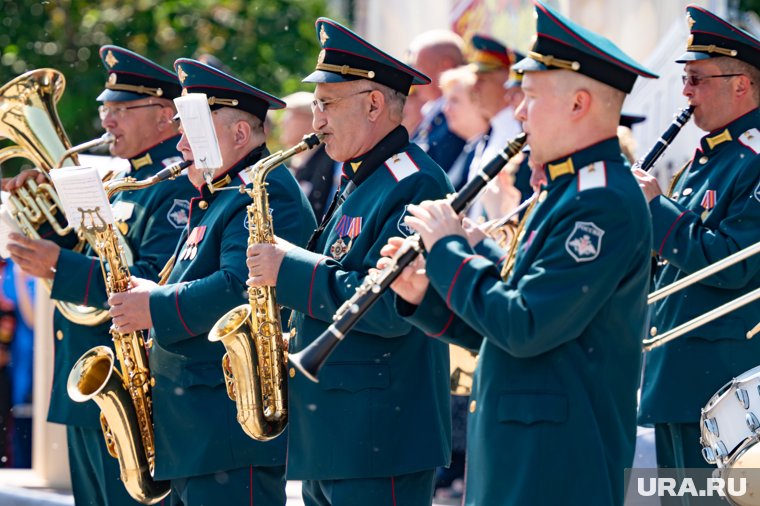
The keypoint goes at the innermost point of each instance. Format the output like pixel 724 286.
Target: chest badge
pixel 191 244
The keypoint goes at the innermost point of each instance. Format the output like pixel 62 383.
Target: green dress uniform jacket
pixel 381 407
pixel 714 212
pixel 153 219
pixel 195 422
pixel 553 405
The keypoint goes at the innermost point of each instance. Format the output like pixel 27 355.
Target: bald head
pixel 432 53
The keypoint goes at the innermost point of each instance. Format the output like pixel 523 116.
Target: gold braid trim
pixel 143 90
pixel 712 48
pixel 551 61
pixel 345 69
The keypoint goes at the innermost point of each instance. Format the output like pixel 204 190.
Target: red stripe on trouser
pixel 393 490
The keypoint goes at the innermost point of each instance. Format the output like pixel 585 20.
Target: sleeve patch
pixel 751 139
pixel 179 214
pixel 592 176
pixel 405 229
pixel 401 166
pixel 584 242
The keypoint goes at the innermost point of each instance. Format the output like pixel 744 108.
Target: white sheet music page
pixel 8 226
pixel 195 115
pixel 82 194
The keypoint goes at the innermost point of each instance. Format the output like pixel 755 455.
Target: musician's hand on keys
pixel 130 311
pixel 36 257
pixel 434 220
pixel 648 184
pixel 475 233
pixel 14 183
pixel 264 261
pixel 412 283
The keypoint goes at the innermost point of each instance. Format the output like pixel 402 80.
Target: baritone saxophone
pixel 255 361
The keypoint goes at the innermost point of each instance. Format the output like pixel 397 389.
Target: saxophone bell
pixel 95 377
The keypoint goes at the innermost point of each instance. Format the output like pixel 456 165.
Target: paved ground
pixel 10 496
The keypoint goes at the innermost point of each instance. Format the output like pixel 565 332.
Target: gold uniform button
pixel 203 204
pixel 653 331
pixel 473 404
pixel 703 160
pixel 59 334
pixel 292 372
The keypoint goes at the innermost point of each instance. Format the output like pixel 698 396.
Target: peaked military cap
pixel 489 54
pixel 223 90
pixel 628 120
pixel 132 77
pixel 712 37
pixel 562 44
pixel 347 57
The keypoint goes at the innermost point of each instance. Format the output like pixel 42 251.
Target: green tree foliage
pixel 750 5
pixel 268 43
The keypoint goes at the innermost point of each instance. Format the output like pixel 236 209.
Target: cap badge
pixel 323 35
pixel 112 78
pixel 111 59
pixel 690 20
pixel 321 57
pixel 181 74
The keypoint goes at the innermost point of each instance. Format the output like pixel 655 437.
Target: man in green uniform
pixel 376 426
pixel 712 211
pixel 137 109
pixel 553 405
pixel 200 446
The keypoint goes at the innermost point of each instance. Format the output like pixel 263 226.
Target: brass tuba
pixel 124 397
pixel 255 362
pixel 28 118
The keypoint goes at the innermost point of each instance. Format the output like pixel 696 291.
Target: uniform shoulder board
pixel 592 176
pixel 171 161
pixel 401 166
pixel 244 177
pixel 751 139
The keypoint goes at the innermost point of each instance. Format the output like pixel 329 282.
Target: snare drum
pixel 730 426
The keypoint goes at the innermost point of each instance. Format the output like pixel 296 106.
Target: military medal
pixel 354 229
pixel 198 239
pixel 708 202
pixel 339 248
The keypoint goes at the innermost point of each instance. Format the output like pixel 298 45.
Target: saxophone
pixel 123 395
pixel 255 361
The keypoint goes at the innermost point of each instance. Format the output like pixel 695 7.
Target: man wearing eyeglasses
pixel 376 426
pixel 137 109
pixel 711 211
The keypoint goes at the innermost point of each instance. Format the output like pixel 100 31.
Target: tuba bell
pixel 28 118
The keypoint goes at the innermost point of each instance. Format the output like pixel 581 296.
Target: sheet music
pixel 195 115
pixel 8 226
pixel 80 188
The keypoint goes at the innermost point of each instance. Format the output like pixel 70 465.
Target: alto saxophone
pixel 124 396
pixel 255 361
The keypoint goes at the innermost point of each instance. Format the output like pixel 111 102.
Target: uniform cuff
pixel 298 267
pixel 166 314
pixel 77 279
pixel 666 217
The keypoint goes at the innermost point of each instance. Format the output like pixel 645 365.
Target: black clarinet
pixel 312 358
pixel 663 142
